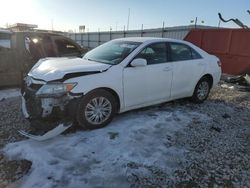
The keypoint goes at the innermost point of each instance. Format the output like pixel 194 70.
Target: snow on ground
pixel 134 143
pixel 226 86
pixel 8 93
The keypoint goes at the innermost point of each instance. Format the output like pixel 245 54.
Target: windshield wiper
pixel 97 61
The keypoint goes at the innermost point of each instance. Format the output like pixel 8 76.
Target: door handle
pixel 167 69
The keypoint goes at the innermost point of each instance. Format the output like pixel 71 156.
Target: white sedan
pixel 118 76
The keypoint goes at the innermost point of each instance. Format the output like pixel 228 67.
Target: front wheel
pixel 201 91
pixel 96 109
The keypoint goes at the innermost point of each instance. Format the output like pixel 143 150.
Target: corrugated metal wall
pixel 93 39
pixel 231 46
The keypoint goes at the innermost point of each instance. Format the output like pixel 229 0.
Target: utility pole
pixel 128 19
pixel 52 25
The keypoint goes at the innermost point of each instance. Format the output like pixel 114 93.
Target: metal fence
pixel 93 39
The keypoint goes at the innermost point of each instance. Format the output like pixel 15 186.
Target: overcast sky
pixel 103 14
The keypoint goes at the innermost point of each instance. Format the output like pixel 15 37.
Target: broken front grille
pixel 33 103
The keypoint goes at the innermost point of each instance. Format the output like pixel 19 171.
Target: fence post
pixel 124 32
pixel 163 30
pixel 195 25
pixel 81 39
pixel 141 30
pixel 88 39
pixel 99 37
pixel 110 34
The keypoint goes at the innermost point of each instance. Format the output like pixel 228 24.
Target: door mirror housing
pixel 139 62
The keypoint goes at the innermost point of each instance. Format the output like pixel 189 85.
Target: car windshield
pixel 112 52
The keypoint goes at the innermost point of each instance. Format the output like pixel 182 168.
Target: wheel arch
pixel 209 77
pixel 113 92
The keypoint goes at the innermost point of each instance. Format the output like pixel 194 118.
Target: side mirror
pixel 81 55
pixel 139 62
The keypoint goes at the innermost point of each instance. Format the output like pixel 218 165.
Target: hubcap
pixel 203 90
pixel 98 110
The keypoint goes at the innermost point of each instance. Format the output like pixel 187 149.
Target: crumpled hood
pixel 49 69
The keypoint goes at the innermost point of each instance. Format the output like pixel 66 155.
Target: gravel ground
pixel 11 120
pixel 218 149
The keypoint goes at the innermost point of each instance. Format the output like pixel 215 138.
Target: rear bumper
pixel 216 77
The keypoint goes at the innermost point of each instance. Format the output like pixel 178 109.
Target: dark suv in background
pixel 19 51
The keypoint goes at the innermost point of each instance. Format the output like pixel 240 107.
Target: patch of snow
pixel 227 86
pixel 101 158
pixel 9 93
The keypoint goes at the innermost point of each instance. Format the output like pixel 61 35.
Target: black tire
pixel 82 109
pixel 197 96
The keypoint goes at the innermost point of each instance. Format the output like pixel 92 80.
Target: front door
pixel 150 83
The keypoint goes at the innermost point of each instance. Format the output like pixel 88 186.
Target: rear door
pixel 188 66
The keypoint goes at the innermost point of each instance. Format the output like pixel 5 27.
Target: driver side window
pixel 154 53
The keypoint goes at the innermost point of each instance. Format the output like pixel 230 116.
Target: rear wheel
pixel 201 91
pixel 96 109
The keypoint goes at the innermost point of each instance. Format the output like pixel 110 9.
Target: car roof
pixel 148 39
pixel 38 33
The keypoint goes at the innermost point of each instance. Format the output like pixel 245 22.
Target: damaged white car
pixel 118 76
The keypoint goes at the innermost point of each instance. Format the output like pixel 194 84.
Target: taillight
pixel 219 63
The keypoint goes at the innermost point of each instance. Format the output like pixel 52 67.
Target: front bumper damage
pixel 53 107
pixel 49 135
pixel 56 107
pixel 42 108
pixel 24 108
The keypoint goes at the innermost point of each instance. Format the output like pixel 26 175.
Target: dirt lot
pixel 214 139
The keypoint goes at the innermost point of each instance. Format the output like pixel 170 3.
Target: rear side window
pixel 154 53
pixel 66 47
pixel 182 52
pixel 195 54
pixel 48 47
